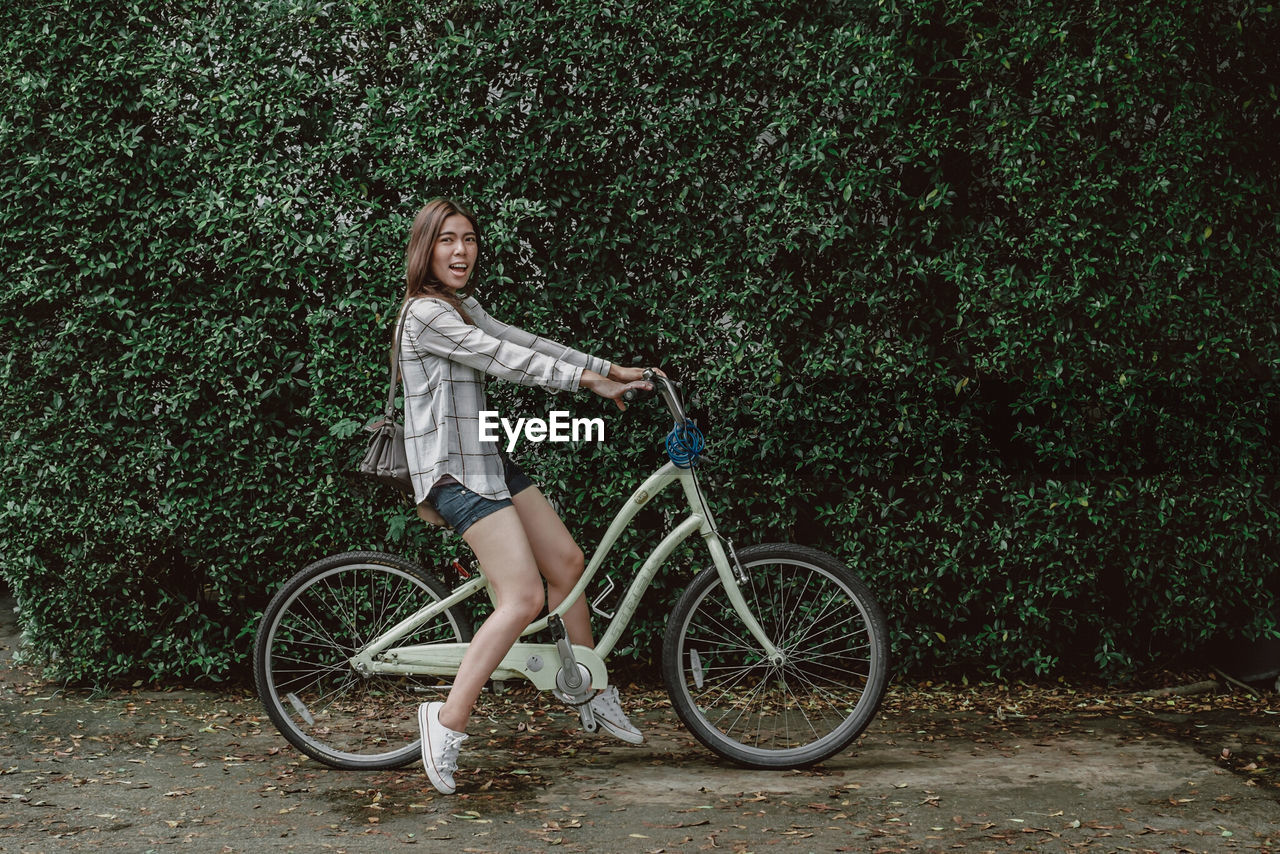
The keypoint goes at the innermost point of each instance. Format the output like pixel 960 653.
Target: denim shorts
pixel 462 508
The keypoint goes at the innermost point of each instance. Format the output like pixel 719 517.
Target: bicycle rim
pixel 317 622
pixel 803 709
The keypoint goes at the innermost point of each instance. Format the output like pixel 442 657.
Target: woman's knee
pixel 525 601
pixel 565 571
pixel 574 562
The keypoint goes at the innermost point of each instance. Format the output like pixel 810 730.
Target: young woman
pixel 448 344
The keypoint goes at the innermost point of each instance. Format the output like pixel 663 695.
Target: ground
pixel 947 767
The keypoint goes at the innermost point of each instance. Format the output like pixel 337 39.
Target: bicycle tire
pixel 319 619
pixel 831 632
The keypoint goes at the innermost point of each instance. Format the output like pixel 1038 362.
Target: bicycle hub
pixel 582 691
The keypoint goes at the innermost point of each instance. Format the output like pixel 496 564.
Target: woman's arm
pixel 435 327
pixel 441 331
pixel 546 346
pixel 628 375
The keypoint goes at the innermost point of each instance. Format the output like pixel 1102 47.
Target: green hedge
pixel 981 297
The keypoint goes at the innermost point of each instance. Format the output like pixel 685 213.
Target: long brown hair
pixel 419 280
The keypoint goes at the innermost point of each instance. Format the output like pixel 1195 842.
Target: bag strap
pixel 395 361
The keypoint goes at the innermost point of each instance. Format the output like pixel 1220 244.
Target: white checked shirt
pixel 443 361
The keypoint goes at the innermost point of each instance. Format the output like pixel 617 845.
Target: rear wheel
pixel 816 698
pixel 321 618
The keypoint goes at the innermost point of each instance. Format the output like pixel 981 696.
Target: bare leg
pixel 559 560
pixel 499 542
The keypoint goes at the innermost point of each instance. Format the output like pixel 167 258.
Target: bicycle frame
pixel 539 662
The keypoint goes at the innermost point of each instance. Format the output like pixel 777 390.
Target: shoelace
pixel 607 701
pixel 449 755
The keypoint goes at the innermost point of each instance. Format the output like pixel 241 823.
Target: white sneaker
pixel 439 747
pixel 609 714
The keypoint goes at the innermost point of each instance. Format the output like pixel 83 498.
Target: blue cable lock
pixel 685 444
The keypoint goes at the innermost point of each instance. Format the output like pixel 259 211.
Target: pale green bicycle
pixel 775 656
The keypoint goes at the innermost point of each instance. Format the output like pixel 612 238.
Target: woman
pixel 447 345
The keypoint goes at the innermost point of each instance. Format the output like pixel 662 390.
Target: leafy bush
pixel 981 297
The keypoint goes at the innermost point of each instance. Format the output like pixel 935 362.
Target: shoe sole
pixel 621 734
pixel 433 775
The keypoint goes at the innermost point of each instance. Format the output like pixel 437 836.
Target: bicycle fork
pixel 733 576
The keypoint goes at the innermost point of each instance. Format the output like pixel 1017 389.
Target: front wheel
pixel 811 702
pixel 322 617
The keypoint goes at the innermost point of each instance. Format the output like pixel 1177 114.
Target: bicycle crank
pixel 573 679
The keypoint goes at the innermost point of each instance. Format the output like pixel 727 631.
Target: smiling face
pixel 453 257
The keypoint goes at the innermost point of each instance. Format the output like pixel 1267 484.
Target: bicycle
pixel 776 656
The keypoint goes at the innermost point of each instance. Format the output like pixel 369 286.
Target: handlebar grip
pixel 631 395
pixel 653 378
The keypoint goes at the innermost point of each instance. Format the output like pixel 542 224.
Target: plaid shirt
pixel 443 361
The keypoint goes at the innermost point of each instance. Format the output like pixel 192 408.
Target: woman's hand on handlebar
pixel 617 373
pixel 634 376
pixel 609 389
pixel 619 382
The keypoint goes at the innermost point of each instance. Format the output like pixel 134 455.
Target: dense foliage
pixel 982 297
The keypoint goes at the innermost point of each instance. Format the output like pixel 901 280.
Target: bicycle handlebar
pixel 631 395
pixel 664 386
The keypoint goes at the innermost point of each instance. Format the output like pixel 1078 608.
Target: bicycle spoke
pixel 813 730
pixel 742 706
pixel 349 602
pixel 840 664
pixel 833 701
pixel 829 628
pixel 299 636
pixel 319 624
pixel 786 611
pixel 726 634
pixel 811 682
pixel 388 617
pixel 313 668
pixel 317 704
pixel 727 690
pixel 831 655
pixel 732 691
